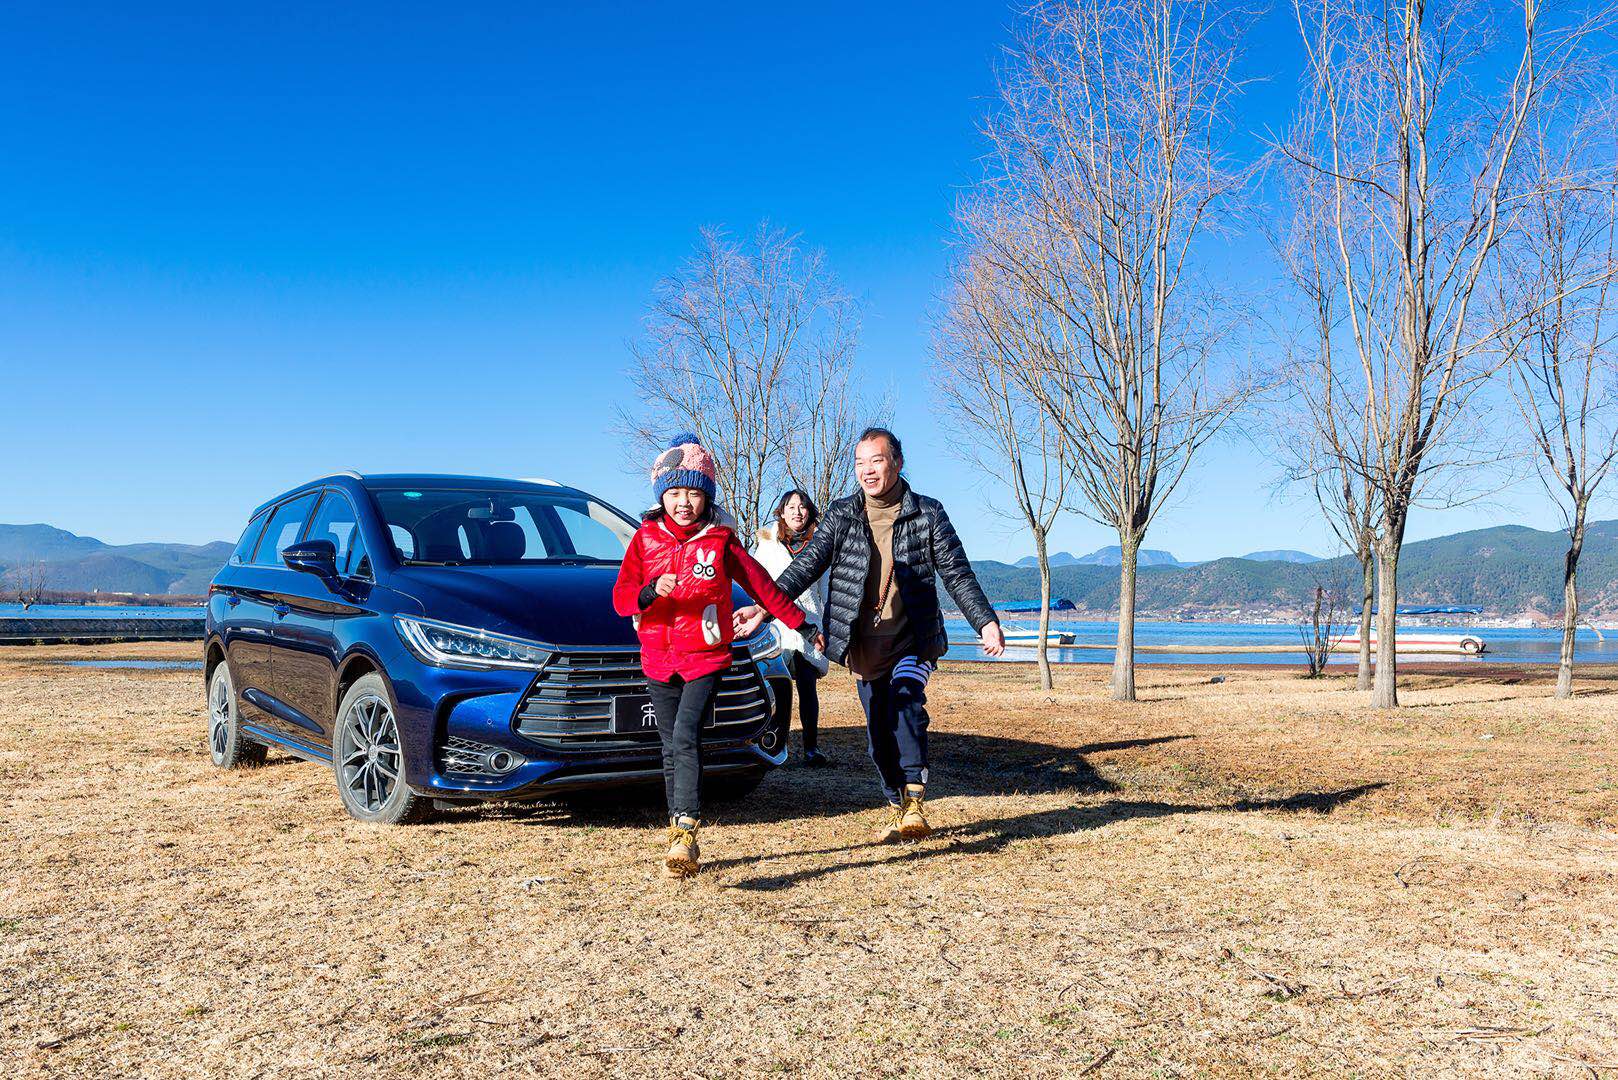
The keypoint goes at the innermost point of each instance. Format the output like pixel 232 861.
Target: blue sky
pixel 241 249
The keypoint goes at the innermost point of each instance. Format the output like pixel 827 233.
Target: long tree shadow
pixel 994 834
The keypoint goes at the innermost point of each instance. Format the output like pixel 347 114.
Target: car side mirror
pixel 318 557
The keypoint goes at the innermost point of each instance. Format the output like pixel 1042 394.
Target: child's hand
pixel 665 584
pixel 745 621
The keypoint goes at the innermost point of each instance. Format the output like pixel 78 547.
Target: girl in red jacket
pixel 675 581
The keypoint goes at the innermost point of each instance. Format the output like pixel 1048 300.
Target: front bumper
pixel 513 735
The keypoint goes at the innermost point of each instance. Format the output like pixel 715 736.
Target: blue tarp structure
pixel 1058 603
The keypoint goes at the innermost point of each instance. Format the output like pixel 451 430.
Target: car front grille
pixel 569 705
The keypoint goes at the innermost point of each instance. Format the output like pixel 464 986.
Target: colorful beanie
pixel 684 464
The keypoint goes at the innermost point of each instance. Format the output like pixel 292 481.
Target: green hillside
pixel 1505 569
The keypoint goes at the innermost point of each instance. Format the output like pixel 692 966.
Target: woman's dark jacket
pixel 924 547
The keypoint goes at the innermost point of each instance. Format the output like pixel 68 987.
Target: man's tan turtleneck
pixel 876 648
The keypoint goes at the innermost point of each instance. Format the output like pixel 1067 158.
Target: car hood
pixel 556 605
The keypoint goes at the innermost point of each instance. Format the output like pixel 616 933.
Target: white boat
pixel 1421 639
pixel 1031 637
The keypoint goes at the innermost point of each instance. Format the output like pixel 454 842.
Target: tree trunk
pixel 1570 604
pixel 1385 688
pixel 1362 681
pixel 1123 660
pixel 1044 609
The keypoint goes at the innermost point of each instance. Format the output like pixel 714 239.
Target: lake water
pixel 98 611
pixel 136 665
pixel 1503 645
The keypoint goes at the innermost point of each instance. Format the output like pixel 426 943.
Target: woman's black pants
pixel 804 677
pixel 683 707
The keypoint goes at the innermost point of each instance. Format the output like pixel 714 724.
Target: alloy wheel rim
pixel 219 718
pixel 370 757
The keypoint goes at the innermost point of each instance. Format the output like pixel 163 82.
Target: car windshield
pixel 473 527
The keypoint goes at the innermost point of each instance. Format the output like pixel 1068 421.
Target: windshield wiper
pixel 432 562
pixel 575 560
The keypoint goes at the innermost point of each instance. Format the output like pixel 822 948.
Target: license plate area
pixel 632 715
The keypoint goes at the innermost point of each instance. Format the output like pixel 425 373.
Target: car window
pixel 335 521
pixel 286 524
pixel 590 530
pixel 359 563
pixel 501 527
pixel 403 541
pixel 249 540
pixel 533 542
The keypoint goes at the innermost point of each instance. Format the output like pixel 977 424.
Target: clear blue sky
pixel 238 250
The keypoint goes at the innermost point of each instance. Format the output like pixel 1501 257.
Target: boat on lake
pixel 1422 639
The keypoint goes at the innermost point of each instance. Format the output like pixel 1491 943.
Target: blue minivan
pixel 452 638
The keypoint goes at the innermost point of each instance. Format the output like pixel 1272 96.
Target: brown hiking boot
pixel 888 831
pixel 681 860
pixel 912 822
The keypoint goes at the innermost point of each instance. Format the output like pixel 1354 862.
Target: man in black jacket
pixel 884 546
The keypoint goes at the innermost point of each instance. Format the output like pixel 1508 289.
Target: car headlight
pixel 448 645
pixel 765 644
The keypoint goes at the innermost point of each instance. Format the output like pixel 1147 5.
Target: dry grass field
pixel 1257 877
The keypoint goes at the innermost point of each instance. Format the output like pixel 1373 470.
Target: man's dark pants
pixel 896 725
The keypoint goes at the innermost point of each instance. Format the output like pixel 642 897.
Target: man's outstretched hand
pixel 744 622
pixel 994 639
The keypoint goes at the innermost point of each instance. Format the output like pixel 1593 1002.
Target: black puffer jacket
pixel 925 547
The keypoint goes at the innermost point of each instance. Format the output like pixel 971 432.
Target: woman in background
pixel 778 543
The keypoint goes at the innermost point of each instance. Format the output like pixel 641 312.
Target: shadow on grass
pixel 993 835
pixel 961 764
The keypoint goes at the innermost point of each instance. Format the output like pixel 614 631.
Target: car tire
pixel 732 788
pixel 228 746
pixel 368 758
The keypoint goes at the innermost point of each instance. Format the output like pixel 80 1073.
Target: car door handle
pixel 282 610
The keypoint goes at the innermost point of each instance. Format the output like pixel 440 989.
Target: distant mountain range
pixel 1107 556
pixel 1509 569
pixel 73 563
pixel 1113 556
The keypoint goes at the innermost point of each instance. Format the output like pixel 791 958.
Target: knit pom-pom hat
pixel 684 464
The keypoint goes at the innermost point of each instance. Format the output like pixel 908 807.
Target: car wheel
pixel 733 788
pixel 228 746
pixel 368 758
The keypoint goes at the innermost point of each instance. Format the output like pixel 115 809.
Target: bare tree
pixel 31 580
pixel 1105 174
pixel 745 345
pixel 983 339
pixel 1416 164
pixel 1319 441
pixel 1557 310
pixel 825 414
pixel 1320 631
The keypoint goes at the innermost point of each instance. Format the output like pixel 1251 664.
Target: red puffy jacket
pixel 688 632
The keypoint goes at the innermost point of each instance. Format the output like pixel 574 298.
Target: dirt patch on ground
pixel 1260 876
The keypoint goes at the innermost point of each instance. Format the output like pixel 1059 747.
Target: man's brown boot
pixel 681 860
pixel 912 822
pixel 888 831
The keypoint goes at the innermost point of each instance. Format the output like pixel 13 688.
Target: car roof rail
pixel 541 480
